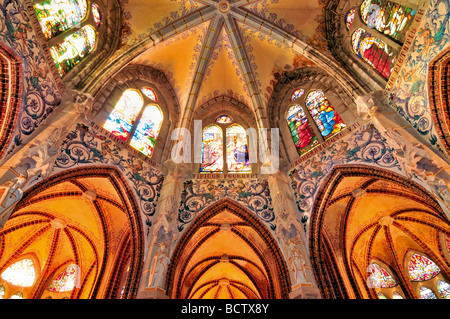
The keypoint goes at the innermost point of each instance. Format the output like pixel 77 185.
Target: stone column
pixel 164 234
pixel 291 238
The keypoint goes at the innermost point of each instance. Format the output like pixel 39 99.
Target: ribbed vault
pixel 227 254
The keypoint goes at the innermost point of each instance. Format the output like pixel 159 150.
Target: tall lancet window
pixel 312 119
pixel 134 123
pixel 379 39
pixel 212 149
pixel 225 153
pixel 68 27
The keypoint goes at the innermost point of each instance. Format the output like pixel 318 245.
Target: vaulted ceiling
pixel 211 48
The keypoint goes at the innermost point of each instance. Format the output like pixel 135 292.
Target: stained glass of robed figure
pixel 325 116
pixel 389 18
pixel 212 149
pixel 122 118
pixel 301 131
pixel 73 49
pixel 375 52
pixel 57 16
pixel 237 149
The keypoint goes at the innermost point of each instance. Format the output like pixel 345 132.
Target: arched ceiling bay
pixel 209 48
pixel 79 221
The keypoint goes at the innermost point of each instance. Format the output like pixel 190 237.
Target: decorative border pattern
pixel 92 145
pixel 254 194
pixel 364 146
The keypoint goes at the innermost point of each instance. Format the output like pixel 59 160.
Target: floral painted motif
pixel 363 146
pixel 92 145
pixel 199 194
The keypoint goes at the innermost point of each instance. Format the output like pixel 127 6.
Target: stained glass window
pixel 56 16
pixel 122 118
pixel 17 295
pixel 212 149
pixel 349 17
pixel 21 273
pixel 381 296
pixel 75 47
pixel 421 268
pixel 301 130
pixel 96 14
pixel 448 243
pixel 148 92
pixel 297 94
pixel 324 114
pixel 380 277
pixel 2 292
pixel 444 289
pixel 387 17
pixel 396 295
pixel 426 293
pixel 65 281
pixel 374 51
pixel 147 130
pixel 224 119
pixel 237 149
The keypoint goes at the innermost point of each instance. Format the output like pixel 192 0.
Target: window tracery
pixel 235 146
pixel 314 123
pixel 131 121
pixel 72 20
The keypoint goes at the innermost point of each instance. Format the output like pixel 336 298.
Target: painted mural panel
pixel 93 145
pixel 41 87
pixel 409 94
pixel 200 193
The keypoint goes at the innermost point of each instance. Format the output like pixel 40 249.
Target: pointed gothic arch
pixel 263 271
pixel 101 213
pixel 10 95
pixel 384 230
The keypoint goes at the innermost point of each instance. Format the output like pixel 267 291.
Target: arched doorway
pixel 83 221
pixel 368 220
pixel 227 254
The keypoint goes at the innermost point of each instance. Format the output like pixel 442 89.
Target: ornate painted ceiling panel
pixel 213 48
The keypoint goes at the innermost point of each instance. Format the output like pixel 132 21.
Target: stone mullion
pixel 342 76
pixel 399 267
pixel 202 64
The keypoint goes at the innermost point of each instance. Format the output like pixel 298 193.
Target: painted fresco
pixel 409 94
pixel 92 145
pixel 41 88
pixel 198 194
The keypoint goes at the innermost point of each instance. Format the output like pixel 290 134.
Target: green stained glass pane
pixel 73 49
pixel 57 16
pixel 387 17
pixel 301 131
pixel 324 114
